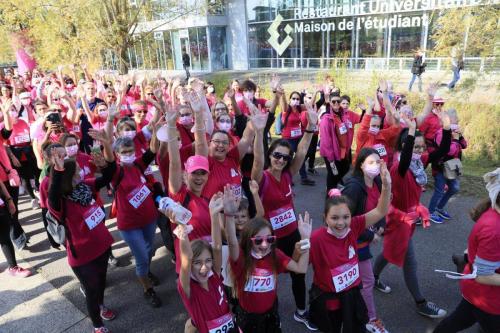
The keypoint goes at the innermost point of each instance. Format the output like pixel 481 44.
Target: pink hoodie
pixel 329 145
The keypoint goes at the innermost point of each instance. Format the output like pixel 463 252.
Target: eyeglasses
pixel 438 104
pixel 224 121
pixel 150 94
pixel 420 147
pixel 335 101
pixel 55 110
pixel 220 142
pixel 278 156
pixel 220 109
pixel 259 240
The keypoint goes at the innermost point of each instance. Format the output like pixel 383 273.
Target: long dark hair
pixel 250 230
pixel 272 148
pixel 360 159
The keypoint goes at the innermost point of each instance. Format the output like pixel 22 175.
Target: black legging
pixel 52 242
pixel 28 169
pixel 92 277
pixel 287 245
pixel 311 152
pixel 333 180
pixel 16 227
pixel 466 315
pixel 5 242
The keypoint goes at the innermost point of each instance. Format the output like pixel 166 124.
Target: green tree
pixel 473 30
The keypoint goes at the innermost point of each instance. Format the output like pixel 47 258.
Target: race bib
pixel 137 196
pixel 221 325
pixel 349 124
pixel 296 132
pixel 282 217
pixel 261 281
pixel 148 171
pixel 94 216
pixel 344 276
pixel 76 128
pixel 342 129
pixel 2 203
pixel 380 149
pixel 236 188
pixel 22 138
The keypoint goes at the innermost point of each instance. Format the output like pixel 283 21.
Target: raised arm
pixel 258 121
pixel 407 151
pixel 305 229
pixel 7 121
pixel 259 207
pixel 200 138
pixel 384 201
pixel 231 203
pixel 431 91
pixel 300 155
pixel 216 206
pixel 186 258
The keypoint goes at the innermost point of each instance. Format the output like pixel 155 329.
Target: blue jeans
pixel 295 144
pixel 278 124
pixel 415 76
pixel 456 77
pixel 140 242
pixel 440 197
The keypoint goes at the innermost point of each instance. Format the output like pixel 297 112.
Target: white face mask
pixel 14 114
pixel 129 134
pixel 210 89
pixel 259 256
pixel 25 101
pixel 226 127
pixel 249 94
pixel 337 235
pixel 71 150
pixel 294 102
pixel 103 114
pixel 127 159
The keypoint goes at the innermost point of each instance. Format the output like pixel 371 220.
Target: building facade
pixel 250 34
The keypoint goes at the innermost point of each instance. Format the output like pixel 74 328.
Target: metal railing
pixel 433 64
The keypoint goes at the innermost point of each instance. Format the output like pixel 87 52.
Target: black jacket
pixel 355 190
pixel 417 67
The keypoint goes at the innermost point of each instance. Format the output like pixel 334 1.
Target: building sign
pixel 358 16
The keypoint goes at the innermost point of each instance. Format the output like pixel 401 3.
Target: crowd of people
pixel 223 198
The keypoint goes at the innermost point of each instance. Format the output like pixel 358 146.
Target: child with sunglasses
pixel 335 297
pixel 200 282
pixel 255 264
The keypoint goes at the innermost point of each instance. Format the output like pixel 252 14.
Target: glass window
pixel 218 48
pixel 258 10
pixel 340 42
pixel 193 47
pixel 203 48
pixel 372 41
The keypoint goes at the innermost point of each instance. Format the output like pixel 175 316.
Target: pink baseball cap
pixel 196 162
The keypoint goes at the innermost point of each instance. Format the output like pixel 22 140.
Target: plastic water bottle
pixel 182 214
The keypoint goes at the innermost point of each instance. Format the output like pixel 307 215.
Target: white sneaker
pixel 21 190
pixel 376 326
pixel 35 204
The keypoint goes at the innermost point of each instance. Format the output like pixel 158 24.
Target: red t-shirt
pixel 335 261
pixel 134 200
pixel 350 119
pixel 243 107
pixel 484 242
pixel 223 173
pixel 293 129
pixel 141 144
pixel 200 220
pixel 5 164
pixel 277 199
pixel 89 235
pixel 258 293
pixel 373 194
pixel 430 126
pixel 185 134
pixel 208 309
pixel 72 128
pixel 20 136
pixel 83 161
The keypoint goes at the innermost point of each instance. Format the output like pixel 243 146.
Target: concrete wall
pixel 237 34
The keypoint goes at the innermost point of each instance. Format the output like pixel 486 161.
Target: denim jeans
pixel 440 197
pixel 295 144
pixel 415 76
pixel 140 242
pixel 456 77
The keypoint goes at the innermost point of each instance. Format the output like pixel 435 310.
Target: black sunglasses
pixel 259 240
pixel 279 156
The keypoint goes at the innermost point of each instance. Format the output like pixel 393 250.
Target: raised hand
pixel 216 204
pixel 385 175
pixel 382 84
pixel 305 226
pixel 275 82
pixel 197 104
pixel 57 159
pixel 445 119
pixel 231 201
pixel 432 89
pixel 230 93
pixel 258 119
pixel 99 135
pixel 98 160
pixel 197 85
pixel 312 115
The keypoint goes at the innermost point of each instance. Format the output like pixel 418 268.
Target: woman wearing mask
pixel 480 287
pixel 408 175
pixel 224 123
pixel 184 124
pixel 210 95
pixel 363 190
pixel 70 144
pixel 441 196
pixel 71 200
pixel 292 129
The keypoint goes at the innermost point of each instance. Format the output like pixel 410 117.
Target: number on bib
pixel 282 217
pixel 137 196
pixel 344 276
pixel 221 325
pixel 342 129
pixel 94 216
pixel 261 281
pixel 380 149
pixel 296 132
pixel 23 138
